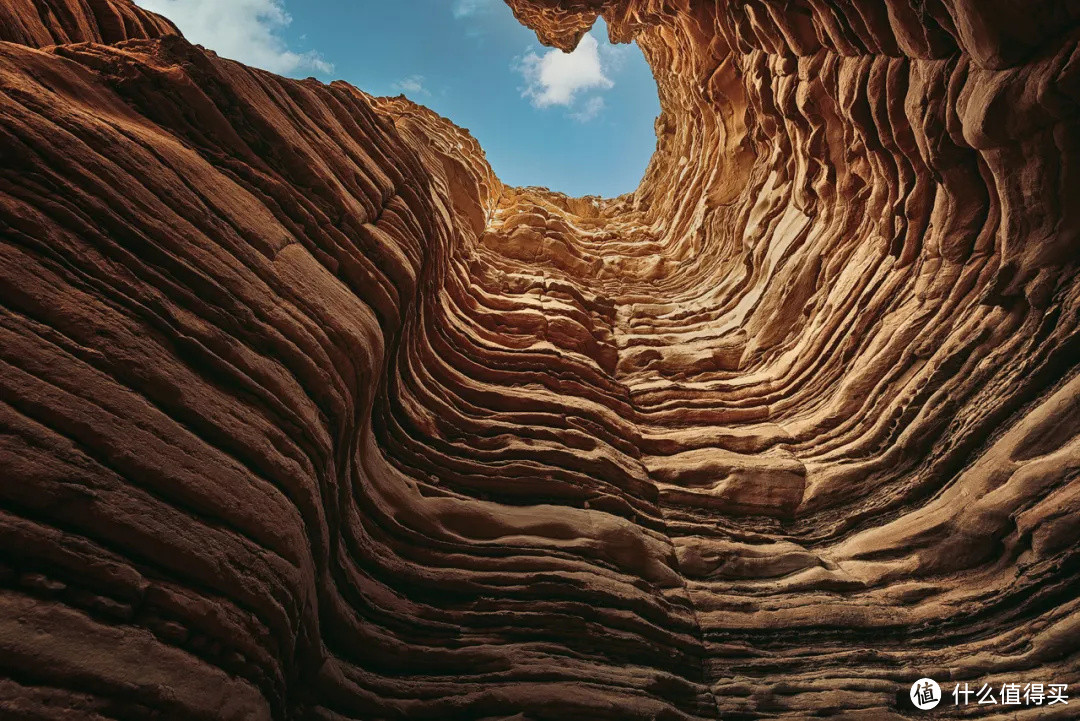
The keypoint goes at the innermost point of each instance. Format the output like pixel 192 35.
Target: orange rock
pixel 304 414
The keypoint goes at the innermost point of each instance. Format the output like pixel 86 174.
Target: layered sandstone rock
pixel 305 415
pixel 46 22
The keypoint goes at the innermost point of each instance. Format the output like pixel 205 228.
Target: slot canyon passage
pixel 305 415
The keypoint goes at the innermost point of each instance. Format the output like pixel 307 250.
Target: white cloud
pixel 614 57
pixel 244 30
pixel 556 78
pixel 465 8
pixel 589 110
pixel 413 84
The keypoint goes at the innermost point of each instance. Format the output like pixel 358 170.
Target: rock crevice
pixel 305 414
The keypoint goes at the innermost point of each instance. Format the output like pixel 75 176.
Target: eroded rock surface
pixel 304 415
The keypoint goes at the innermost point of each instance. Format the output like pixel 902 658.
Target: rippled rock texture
pixel 304 415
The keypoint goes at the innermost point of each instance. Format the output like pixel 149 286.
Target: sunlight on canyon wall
pixel 305 415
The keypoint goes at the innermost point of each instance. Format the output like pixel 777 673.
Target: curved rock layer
pixel 304 415
pixel 53 22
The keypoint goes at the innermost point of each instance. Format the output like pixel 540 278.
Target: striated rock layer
pixel 304 415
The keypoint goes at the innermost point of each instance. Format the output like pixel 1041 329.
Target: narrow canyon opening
pixel 307 415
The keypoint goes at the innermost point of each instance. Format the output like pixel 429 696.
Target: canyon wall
pixel 305 415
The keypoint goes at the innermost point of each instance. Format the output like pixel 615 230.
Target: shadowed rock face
pixel 304 415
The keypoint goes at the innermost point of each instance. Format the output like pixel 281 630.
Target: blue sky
pixel 580 123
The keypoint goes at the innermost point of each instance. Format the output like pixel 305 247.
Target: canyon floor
pixel 305 415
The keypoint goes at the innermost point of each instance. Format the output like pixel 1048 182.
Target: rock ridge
pixel 304 414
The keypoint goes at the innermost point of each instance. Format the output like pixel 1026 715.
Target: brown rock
pixel 304 414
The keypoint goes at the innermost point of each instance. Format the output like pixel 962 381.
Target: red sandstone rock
pixel 40 23
pixel 303 414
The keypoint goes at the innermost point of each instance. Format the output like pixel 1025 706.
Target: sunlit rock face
pixel 304 415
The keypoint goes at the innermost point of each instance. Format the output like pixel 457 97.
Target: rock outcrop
pixel 305 415
pixel 39 23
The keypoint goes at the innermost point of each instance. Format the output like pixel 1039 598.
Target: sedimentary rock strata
pixel 305 415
